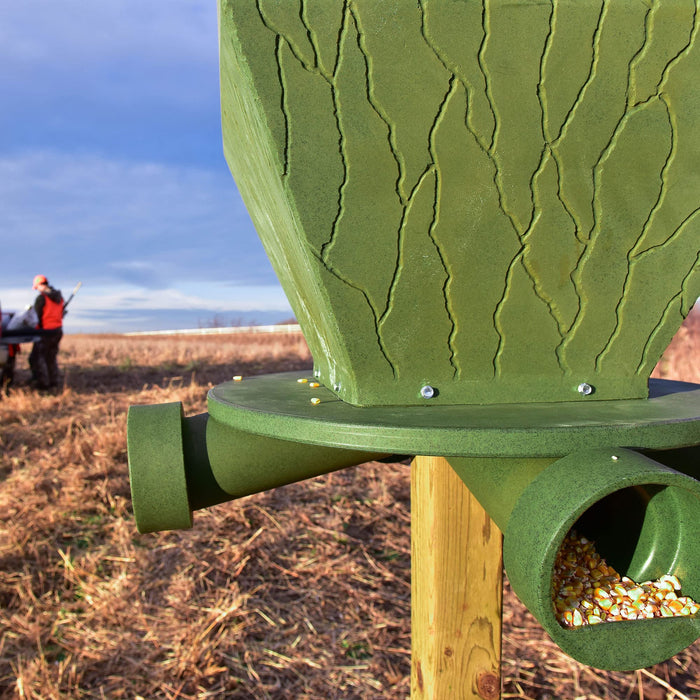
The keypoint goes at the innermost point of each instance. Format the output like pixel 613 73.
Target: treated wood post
pixel 456 588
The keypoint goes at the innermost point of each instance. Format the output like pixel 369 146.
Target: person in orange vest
pixel 43 357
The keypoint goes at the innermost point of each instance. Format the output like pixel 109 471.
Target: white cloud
pixel 91 218
pixel 218 298
pixel 118 308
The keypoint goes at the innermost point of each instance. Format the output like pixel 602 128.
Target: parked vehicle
pixel 14 330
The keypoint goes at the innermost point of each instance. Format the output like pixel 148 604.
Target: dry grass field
pixel 301 593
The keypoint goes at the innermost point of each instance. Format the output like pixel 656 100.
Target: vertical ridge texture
pixel 498 199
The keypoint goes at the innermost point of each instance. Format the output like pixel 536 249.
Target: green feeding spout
pixel 644 517
pixel 178 465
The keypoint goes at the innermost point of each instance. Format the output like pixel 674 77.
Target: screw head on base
pixel 585 389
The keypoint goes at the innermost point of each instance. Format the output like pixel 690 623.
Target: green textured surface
pixel 498 199
pixel 497 482
pixel 177 464
pixel 645 519
pixel 157 467
pixel 276 405
pixel 243 463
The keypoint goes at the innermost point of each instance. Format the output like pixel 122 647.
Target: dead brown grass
pixel 301 592
pixel 682 358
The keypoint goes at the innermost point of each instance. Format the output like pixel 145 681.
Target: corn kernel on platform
pixel 486 217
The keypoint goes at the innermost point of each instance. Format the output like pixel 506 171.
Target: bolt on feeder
pixel 485 217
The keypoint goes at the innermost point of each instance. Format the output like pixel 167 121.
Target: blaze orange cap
pixel 39 279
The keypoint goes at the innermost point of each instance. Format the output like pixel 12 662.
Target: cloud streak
pixel 111 165
pixel 126 308
pixel 114 221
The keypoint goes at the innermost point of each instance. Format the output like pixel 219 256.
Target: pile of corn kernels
pixel 587 591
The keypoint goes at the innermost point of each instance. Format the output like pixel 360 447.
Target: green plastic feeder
pixel 485 217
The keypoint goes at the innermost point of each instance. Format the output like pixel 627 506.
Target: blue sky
pixel 112 171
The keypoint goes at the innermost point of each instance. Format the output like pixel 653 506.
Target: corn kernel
pixel 237 378
pixel 586 590
pixel 672 580
pixel 635 593
pixel 675 605
pixel 303 380
pixel 315 401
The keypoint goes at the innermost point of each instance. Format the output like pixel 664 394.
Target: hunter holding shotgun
pixel 50 308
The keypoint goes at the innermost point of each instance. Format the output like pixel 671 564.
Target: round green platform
pixel 277 405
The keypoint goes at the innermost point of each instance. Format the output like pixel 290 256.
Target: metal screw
pixel 585 389
pixel 427 391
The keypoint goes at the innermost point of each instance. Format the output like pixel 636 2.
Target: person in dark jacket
pixel 43 357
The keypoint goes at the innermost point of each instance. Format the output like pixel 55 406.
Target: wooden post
pixel 456 588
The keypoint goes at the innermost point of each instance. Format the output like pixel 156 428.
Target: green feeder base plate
pixel 557 464
pixel 278 405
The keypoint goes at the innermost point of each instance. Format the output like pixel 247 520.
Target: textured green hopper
pixel 499 201
pixel 486 217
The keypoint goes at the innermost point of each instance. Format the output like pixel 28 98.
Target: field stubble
pixel 300 592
